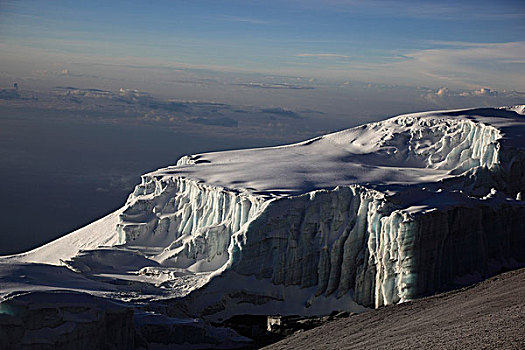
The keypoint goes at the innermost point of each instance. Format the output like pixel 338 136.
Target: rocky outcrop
pixel 65 320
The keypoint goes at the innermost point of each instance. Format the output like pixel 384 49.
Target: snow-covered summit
pixel 371 215
pixel 408 149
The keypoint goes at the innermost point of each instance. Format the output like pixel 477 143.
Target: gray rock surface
pixel 489 315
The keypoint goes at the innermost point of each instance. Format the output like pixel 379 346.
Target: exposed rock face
pixel 65 320
pixel 68 320
pixel 489 315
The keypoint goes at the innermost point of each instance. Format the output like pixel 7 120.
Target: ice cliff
pixel 368 216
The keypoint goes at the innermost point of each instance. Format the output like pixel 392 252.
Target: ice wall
pixel 188 222
pixel 316 239
pixel 380 243
pixel 356 240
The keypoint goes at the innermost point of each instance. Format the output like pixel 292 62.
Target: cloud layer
pixel 322 55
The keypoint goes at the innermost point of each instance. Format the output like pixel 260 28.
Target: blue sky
pixel 465 44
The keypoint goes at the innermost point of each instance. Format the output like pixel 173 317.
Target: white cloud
pixel 470 65
pixel 485 92
pixel 322 55
pixel 243 20
pixel 420 9
pixel 445 97
pixel 456 65
pixel 442 92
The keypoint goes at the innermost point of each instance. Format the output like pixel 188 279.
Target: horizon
pixel 465 45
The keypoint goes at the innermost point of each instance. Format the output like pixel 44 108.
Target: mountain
pixel 365 217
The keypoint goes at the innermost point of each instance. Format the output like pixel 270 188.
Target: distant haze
pixel 57 176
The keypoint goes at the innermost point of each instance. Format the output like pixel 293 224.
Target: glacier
pixel 365 217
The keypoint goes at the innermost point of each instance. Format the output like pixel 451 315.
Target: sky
pixel 436 44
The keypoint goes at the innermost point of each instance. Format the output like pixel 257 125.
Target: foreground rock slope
pixel 489 315
pixel 369 216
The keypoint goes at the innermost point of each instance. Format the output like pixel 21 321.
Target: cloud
pixel 442 92
pixel 478 64
pixel 71 90
pixel 243 20
pixel 224 121
pixel 133 94
pixel 9 94
pixel 483 95
pixel 322 55
pixel 422 9
pixel 455 65
pixel 282 112
pixel 485 92
pixel 277 86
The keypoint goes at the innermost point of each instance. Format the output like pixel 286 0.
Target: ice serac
pixel 368 216
pixel 191 224
pixel 421 203
pixel 359 241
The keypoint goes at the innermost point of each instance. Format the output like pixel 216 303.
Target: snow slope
pixel 368 216
pixel 409 149
pixel 96 234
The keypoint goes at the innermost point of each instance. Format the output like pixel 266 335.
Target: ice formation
pixel 364 217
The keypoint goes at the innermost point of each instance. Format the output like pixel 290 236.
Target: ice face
pixel 376 215
pixel 356 240
pixel 187 224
